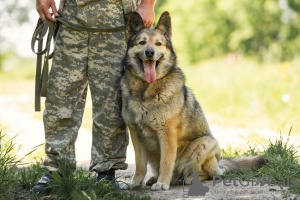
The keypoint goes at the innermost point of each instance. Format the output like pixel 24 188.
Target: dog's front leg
pixel 168 146
pixel 141 158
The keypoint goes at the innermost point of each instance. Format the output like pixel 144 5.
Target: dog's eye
pixel 158 44
pixel 142 42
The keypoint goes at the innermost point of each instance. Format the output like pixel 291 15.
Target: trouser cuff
pixel 107 165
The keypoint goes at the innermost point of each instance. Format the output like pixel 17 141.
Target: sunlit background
pixel 240 57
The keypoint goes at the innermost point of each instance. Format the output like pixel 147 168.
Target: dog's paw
pixel 160 186
pixel 188 180
pixel 124 186
pixel 130 186
pixel 151 180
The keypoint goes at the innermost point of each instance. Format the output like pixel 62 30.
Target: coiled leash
pixel 42 28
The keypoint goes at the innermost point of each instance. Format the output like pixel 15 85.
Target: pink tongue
pixel 150 74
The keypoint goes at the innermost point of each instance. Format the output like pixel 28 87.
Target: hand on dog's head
pixel 135 24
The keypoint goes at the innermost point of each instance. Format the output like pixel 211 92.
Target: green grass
pixel 17 177
pixel 82 185
pixel 283 161
pixel 8 162
pixel 14 179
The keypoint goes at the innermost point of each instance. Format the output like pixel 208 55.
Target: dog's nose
pixel 149 53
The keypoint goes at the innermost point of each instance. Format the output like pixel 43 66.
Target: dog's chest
pixel 150 112
pixel 149 116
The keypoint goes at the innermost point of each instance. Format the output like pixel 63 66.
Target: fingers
pixel 41 14
pixel 54 10
pixel 48 15
pixel 43 10
pixel 147 15
pixel 148 19
pixel 148 23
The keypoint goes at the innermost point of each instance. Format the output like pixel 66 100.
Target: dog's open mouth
pixel 141 64
pixel 149 67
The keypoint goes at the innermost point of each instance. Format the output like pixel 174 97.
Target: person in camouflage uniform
pixel 80 59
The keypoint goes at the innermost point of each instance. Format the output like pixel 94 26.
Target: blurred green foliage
pixel 267 30
pixel 295 4
pixel 13 13
pixel 15 67
pixel 240 92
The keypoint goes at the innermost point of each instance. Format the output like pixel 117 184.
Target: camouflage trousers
pixel 81 59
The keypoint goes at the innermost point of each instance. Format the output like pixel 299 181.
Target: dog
pixel 167 125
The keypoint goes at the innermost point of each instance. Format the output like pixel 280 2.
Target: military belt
pixel 39 34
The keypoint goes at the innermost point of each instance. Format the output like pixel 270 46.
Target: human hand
pixel 42 7
pixel 146 10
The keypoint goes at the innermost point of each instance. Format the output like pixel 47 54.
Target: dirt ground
pixel 31 134
pixel 219 191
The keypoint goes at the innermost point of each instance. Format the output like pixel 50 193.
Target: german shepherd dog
pixel 167 125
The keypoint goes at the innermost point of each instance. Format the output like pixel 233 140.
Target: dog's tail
pixel 245 163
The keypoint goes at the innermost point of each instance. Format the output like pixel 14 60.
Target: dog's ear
pixel 164 24
pixel 135 24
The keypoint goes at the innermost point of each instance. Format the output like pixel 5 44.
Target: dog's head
pixel 150 53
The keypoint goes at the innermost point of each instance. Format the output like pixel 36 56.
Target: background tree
pixel 264 29
pixel 12 13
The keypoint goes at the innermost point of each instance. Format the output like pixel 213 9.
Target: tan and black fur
pixel 167 125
